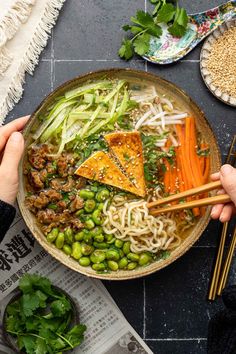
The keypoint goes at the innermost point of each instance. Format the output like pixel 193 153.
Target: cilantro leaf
pixel 176 30
pixel 136 29
pixel 144 18
pixel 166 13
pixel 141 44
pixel 76 335
pixel 60 307
pixel 126 50
pixel 126 28
pixel 29 343
pixel 34 281
pixel 29 303
pixel 41 346
pixel 181 17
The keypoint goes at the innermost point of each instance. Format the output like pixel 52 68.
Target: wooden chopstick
pixel 198 190
pixel 228 261
pixel 221 199
pixel 218 263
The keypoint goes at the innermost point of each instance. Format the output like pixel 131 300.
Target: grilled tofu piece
pixel 100 167
pixel 127 148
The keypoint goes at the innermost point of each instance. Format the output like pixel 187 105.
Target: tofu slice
pixel 100 167
pixel 127 148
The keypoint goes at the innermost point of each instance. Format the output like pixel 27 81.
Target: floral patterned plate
pixel 168 49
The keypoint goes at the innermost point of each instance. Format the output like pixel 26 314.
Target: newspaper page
pixel 107 329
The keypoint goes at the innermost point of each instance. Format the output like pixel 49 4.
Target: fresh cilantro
pixel 60 307
pixel 166 13
pixel 40 318
pixel 144 25
pixel 126 50
pixel 141 44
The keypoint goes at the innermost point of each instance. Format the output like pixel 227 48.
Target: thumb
pixel 228 180
pixel 12 153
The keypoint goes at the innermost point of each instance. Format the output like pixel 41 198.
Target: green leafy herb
pixel 145 25
pixel 152 156
pixel 40 318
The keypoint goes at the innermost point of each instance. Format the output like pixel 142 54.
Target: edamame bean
pixel 113 265
pixel 99 238
pixel 133 257
pixel 79 236
pixel 144 259
pixel 121 253
pixel 60 240
pixel 132 265
pixel 89 224
pixel 97 217
pixel 69 237
pixel 123 263
pixel 126 247
pixel 88 238
pixel 67 249
pixel 99 267
pixel 76 250
pixel 97 231
pixel 119 243
pixel 100 245
pixel 110 239
pixel 86 249
pixel 51 238
pixel 100 206
pixel 102 195
pixel 112 255
pixel 55 231
pixel 79 212
pixel 86 194
pixel 97 256
pixel 89 205
pixel 84 261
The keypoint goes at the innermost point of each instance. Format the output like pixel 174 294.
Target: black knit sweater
pixel 7 214
pixel 222 327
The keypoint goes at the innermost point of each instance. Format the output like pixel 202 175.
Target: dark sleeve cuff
pixel 7 214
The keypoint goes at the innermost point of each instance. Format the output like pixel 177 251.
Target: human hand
pixel 11 149
pixel 227 176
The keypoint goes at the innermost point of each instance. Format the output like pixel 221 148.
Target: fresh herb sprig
pixel 145 25
pixel 40 319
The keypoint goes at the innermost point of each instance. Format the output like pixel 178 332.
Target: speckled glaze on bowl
pixel 202 125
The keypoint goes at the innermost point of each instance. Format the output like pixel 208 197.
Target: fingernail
pixel 213 210
pixel 221 218
pixel 226 170
pixel 16 137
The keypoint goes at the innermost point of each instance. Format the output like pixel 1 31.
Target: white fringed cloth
pixel 24 29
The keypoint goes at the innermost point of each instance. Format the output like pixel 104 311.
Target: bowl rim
pixel 159 264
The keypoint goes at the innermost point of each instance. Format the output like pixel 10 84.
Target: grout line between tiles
pixel 51 73
pixel 95 60
pixel 174 339
pixel 144 309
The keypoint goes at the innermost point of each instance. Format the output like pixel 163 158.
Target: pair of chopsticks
pixel 223 198
pixel 220 272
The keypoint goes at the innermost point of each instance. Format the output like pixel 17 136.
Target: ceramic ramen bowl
pixel 202 125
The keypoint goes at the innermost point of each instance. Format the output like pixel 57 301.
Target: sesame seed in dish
pixel 221 62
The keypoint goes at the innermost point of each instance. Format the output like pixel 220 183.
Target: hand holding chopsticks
pixel 218 199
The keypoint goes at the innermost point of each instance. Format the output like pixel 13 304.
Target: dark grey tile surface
pixel 129 297
pixel 169 309
pixel 36 88
pixel 178 347
pixel 176 305
pixel 66 70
